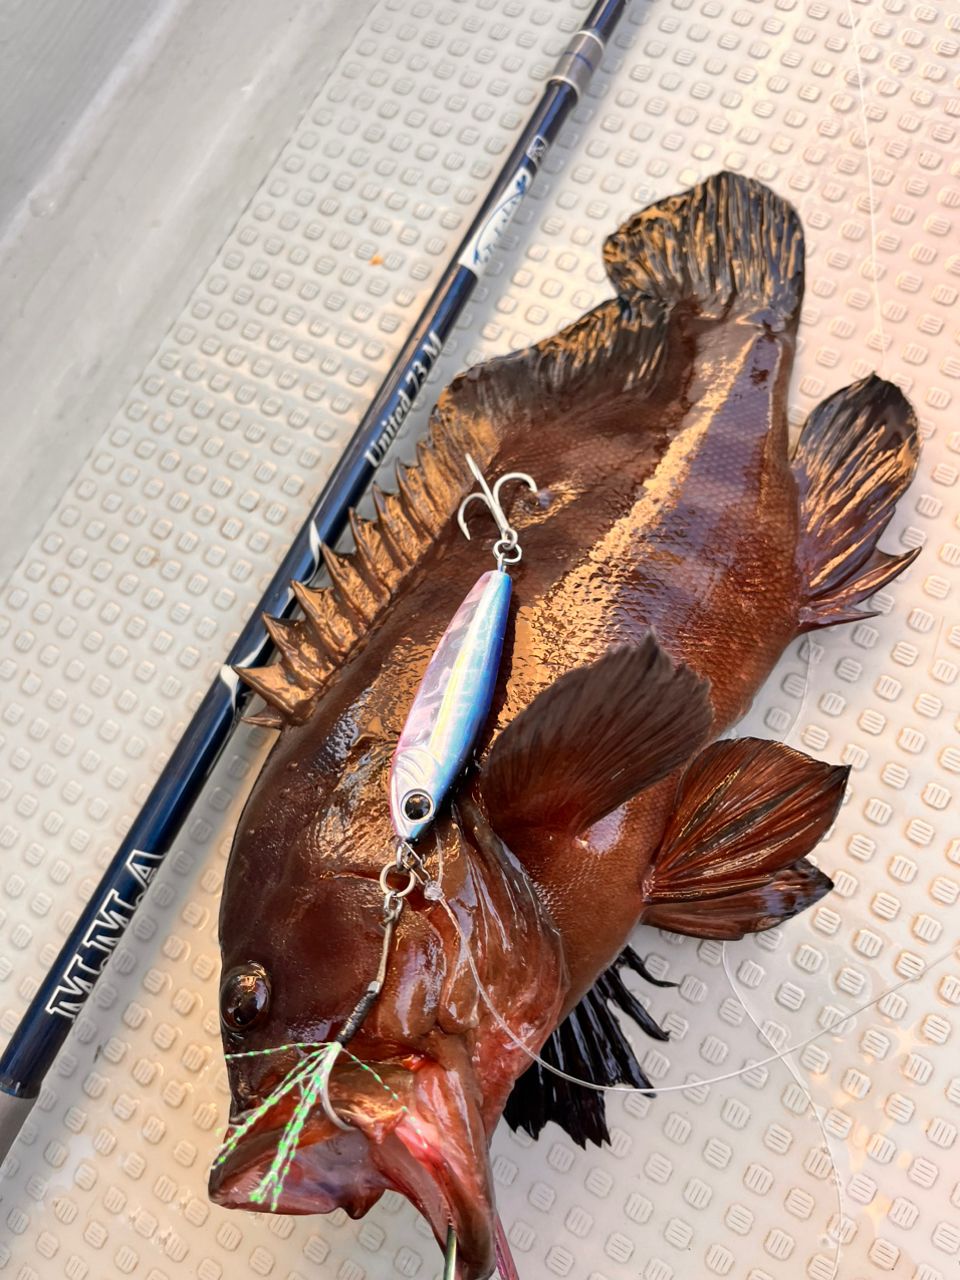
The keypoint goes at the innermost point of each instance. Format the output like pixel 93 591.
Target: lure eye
pixel 244 996
pixel 417 805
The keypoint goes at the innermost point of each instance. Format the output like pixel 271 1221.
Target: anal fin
pixel 732 860
pixel 731 915
pixel 589 1044
pixel 838 606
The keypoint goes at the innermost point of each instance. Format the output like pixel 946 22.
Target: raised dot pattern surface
pixel 120 613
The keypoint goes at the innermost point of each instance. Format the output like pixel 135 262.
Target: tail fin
pixel 856 456
pixel 728 242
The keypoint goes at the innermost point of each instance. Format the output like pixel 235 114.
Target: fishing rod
pixel 111 908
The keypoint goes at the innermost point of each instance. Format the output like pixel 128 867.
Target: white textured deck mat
pixel 120 613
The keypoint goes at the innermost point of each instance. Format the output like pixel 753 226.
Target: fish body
pixel 674 547
pixel 450 705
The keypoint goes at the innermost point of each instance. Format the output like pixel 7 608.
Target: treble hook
pixel 507 547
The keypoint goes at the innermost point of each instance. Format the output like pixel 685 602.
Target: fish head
pixel 474 980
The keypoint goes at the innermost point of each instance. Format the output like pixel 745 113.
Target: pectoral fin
pixel 593 739
pixel 732 859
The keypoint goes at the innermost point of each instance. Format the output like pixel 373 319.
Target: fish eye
pixel 244 996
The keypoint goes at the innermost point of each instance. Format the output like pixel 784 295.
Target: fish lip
pixel 451 1185
pixel 232 1182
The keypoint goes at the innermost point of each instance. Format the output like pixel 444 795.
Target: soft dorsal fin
pixel 730 242
pixel 593 739
pixel 855 457
pixel 732 860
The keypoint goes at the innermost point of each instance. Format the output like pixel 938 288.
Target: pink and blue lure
pixel 453 700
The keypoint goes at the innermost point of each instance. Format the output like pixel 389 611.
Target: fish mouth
pixel 416 1131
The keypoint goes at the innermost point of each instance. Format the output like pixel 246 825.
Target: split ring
pixel 391 869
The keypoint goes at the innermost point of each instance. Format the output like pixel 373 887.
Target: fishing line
pixel 805 655
pixel 856 48
pixel 871 189
pixel 807 646
pixel 590 1084
pixel 691 1085
pixel 818 1116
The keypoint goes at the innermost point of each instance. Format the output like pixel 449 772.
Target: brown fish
pixel 673 550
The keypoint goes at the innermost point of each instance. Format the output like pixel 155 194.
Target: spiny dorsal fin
pixel 472 413
pixel 276 689
pixel 355 593
pixel 373 556
pixel 428 513
pixel 332 629
pixel 401 536
pixel 269 718
pixel 363 582
pixel 298 654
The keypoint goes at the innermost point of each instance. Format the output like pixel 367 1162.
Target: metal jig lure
pixel 453 699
